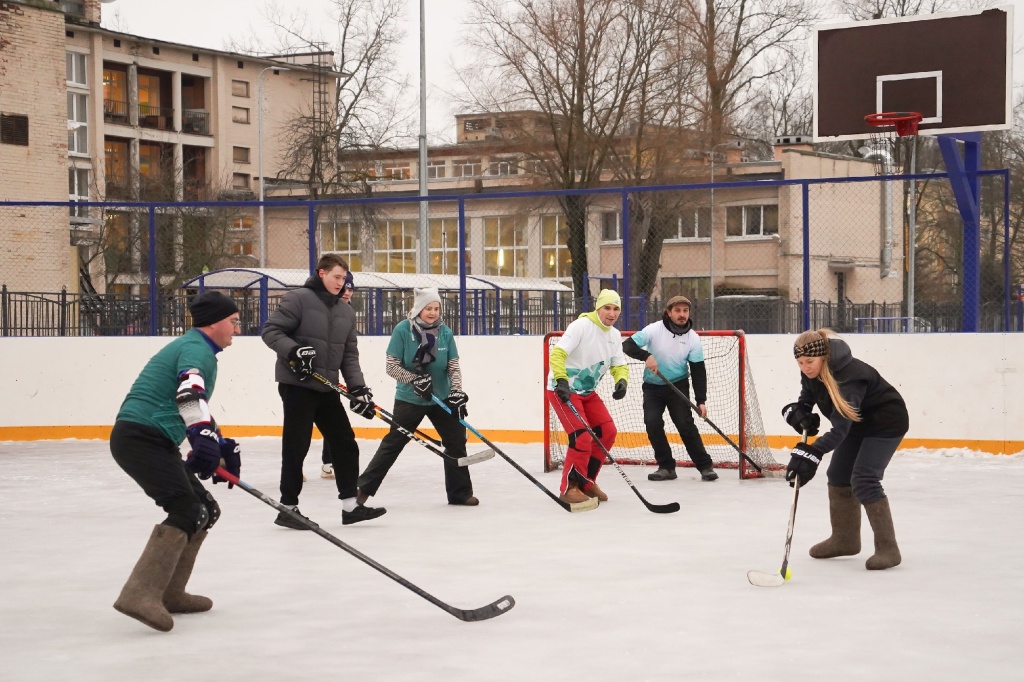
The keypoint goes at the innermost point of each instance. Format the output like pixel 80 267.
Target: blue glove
pixel 456 402
pixel 362 402
pixel 204 458
pixel 803 463
pixel 231 456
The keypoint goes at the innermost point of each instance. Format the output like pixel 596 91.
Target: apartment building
pixel 756 249
pixel 91 114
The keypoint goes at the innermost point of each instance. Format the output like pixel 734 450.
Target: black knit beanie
pixel 211 307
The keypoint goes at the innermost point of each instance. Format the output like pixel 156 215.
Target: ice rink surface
pixel 617 594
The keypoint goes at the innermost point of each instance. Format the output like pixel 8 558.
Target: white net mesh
pixel 732 406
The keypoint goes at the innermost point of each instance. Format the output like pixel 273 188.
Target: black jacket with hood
pixel 883 413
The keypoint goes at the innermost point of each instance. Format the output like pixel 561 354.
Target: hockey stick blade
pixel 492 610
pixel 670 508
pixel 762 579
pixel 476 457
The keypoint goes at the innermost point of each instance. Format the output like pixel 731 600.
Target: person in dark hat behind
pixel 672 347
pixel 167 404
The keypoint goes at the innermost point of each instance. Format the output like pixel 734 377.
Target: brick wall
pixel 35 248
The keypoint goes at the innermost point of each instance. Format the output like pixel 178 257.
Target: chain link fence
pixel 766 256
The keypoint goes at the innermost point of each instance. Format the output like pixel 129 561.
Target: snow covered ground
pixel 616 594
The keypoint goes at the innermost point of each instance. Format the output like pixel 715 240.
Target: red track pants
pixel 584 458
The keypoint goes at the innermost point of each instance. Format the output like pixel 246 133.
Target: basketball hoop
pixel 888 127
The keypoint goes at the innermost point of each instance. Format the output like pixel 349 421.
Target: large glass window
pixel 78 189
pixel 751 221
pixel 694 223
pixel 610 229
pixel 505 247
pixel 78 126
pixel 444 246
pixel 693 288
pixel 435 169
pixel 345 238
pixel 395 246
pixel 557 263
pixel 75 62
pixel 115 95
pixel 467 168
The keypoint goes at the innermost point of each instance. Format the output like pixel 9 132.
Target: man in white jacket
pixel 674 349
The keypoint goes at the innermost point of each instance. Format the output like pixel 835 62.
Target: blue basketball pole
pixel 964 181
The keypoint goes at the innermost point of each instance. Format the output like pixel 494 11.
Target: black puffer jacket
pixel 310 316
pixel 883 413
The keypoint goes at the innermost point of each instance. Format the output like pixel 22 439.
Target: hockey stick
pixel 656 508
pixel 711 423
pixel 762 579
pixel 476 457
pixel 591 503
pixel 483 613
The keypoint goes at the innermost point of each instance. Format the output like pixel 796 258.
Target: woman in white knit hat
pixel 423 358
pixel 590 347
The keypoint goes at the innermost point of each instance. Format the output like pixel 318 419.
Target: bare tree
pixel 577 64
pixel 740 44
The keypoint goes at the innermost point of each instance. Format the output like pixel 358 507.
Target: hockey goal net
pixel 732 406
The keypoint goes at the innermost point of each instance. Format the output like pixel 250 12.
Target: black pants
pixel 860 462
pixel 656 399
pixel 304 407
pixel 453 436
pixel 155 463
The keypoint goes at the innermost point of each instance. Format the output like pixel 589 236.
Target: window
pixel 610 229
pixel 14 129
pixel 240 114
pixel 76 68
pixel 115 95
pixel 693 288
pixel 239 181
pixel 395 246
pixel 502 167
pixel 240 88
pixel 444 246
pixel 78 128
pixel 693 223
pixel 751 221
pixel 505 247
pixel 345 238
pixel 243 223
pixel 240 154
pixel 473 124
pixel 557 263
pixel 435 169
pixel 397 170
pixel 467 168
pixel 78 190
pixel 241 248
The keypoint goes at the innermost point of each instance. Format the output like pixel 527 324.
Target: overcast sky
pixel 212 23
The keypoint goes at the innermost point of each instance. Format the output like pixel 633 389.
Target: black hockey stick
pixel 482 456
pixel 483 613
pixel 763 579
pixel 656 508
pixel 591 503
pixel 711 423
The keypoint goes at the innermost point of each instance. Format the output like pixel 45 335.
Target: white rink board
pixel 958 387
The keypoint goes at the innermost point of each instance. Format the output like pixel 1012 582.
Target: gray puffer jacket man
pixel 313 331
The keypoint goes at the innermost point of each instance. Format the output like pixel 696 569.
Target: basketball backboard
pixel 955 69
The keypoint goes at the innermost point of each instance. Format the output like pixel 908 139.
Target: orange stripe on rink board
pixel 27 433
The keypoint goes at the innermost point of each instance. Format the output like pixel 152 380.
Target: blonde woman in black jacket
pixel 869 420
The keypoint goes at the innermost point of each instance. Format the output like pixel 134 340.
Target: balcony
pixel 118 187
pixel 195 121
pixel 158 118
pixel 115 111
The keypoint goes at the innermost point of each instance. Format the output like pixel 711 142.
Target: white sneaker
pixel 327 471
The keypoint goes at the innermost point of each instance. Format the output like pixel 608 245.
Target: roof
pixel 281 278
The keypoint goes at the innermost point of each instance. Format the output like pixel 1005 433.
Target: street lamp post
pixel 423 254
pixel 711 229
pixel 259 133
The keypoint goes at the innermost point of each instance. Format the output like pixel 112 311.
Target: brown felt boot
pixel 844 511
pixel 573 495
pixel 594 491
pixel 887 554
pixel 142 596
pixel 176 599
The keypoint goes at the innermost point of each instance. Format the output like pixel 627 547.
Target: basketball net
pixel 887 129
